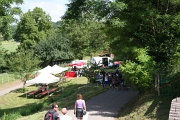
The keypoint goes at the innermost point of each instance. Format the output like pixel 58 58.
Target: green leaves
pixel 7 16
pixel 22 62
pixel 52 49
pixel 34 26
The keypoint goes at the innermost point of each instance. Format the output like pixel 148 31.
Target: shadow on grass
pixel 148 105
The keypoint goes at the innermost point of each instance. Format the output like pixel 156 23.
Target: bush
pixel 11 116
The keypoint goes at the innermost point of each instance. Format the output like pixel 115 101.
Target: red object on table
pixel 71 74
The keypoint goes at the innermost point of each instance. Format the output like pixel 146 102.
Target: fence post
pixel 155 84
pixel 158 85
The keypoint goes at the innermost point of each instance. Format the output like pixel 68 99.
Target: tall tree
pixel 87 37
pixel 53 49
pixel 7 13
pixel 144 24
pixel 22 62
pixel 84 28
pixel 33 27
pixel 3 52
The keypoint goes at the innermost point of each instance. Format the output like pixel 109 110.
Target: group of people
pixel 79 107
pixel 79 71
pixel 113 79
pixel 42 88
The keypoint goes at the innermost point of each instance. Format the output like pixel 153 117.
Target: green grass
pixel 15 104
pixel 10 45
pixel 148 106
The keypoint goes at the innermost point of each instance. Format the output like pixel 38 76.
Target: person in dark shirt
pixel 54 112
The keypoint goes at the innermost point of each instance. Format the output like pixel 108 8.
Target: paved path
pixel 5 91
pixel 105 106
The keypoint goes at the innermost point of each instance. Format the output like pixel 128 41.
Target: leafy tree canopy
pixel 7 13
pixel 52 49
pixel 22 62
pixel 33 27
pixel 87 37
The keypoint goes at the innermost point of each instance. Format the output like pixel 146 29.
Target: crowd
pixel 111 79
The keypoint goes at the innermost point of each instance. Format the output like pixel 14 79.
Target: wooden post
pixel 155 84
pixel 158 85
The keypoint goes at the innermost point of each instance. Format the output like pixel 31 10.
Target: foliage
pixel 141 72
pixel 22 62
pixel 7 16
pixel 87 37
pixel 90 70
pixel 82 26
pixel 33 27
pixel 150 25
pixel 11 116
pixel 52 49
pixel 2 56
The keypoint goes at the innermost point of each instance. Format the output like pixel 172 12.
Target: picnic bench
pixel 34 92
pixel 43 93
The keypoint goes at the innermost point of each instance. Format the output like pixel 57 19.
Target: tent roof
pixel 56 69
pixel 47 69
pixel 44 78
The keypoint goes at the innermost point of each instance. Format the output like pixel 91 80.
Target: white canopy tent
pixel 56 69
pixel 44 78
pixel 47 69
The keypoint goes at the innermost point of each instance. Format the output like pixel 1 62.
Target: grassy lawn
pixel 10 45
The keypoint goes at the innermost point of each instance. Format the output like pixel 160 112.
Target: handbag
pixel 84 112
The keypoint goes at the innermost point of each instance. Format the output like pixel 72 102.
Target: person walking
pixel 52 114
pixel 65 116
pixel 79 107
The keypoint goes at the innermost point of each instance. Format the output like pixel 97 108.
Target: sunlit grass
pixel 11 46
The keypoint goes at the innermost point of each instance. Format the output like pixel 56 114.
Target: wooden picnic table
pixel 46 92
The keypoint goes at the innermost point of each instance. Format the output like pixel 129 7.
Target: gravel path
pixel 7 90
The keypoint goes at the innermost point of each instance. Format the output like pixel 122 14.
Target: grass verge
pixel 147 106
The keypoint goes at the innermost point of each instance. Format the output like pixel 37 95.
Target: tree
pixel 87 37
pixel 52 49
pixel 144 25
pixel 22 62
pixel 3 52
pixel 7 13
pixel 151 25
pixel 33 27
